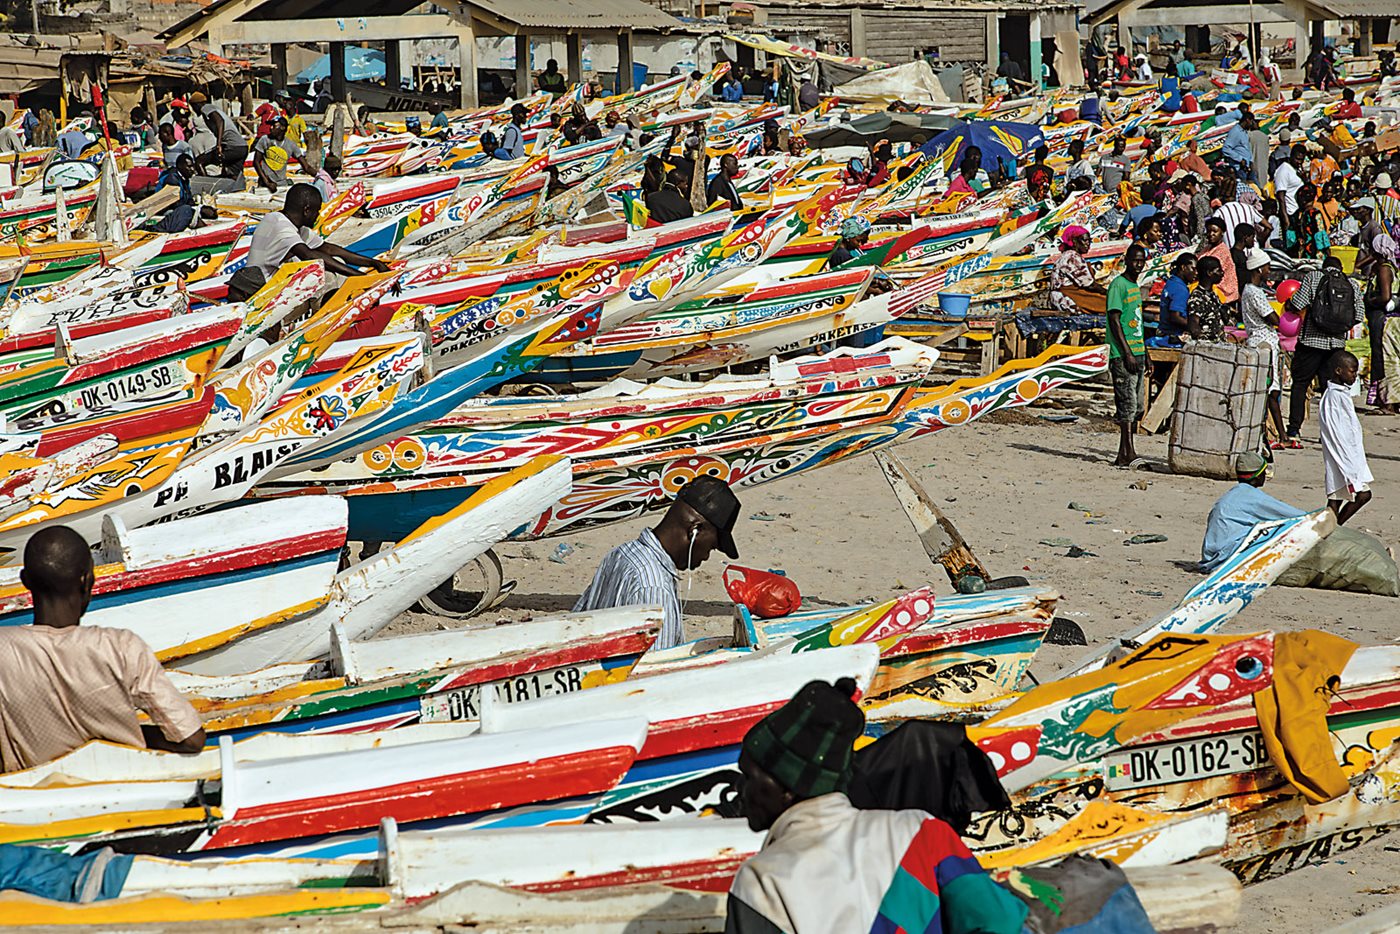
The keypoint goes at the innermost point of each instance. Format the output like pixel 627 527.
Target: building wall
pixel 890 35
pixel 830 28
pixel 893 36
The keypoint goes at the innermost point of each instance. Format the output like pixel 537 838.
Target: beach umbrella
pixel 998 139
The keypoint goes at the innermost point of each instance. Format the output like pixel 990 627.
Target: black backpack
pixel 1333 308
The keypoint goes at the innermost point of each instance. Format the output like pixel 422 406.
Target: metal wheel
pixel 474 589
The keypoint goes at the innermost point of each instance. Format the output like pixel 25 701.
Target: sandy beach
pixel 1007 483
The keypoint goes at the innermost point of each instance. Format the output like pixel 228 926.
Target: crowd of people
pixel 1285 241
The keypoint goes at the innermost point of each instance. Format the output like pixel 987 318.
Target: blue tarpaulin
pixel 360 65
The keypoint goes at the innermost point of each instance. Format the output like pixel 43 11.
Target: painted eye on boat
pixel 1249 667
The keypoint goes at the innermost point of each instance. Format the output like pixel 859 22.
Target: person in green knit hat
pixel 827 866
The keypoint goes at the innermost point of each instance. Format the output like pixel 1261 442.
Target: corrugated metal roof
pixel 578 14
pixel 533 15
pixel 1357 9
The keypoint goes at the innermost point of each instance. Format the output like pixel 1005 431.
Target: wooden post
pixel 624 61
pixel 857 32
pixel 466 53
pixel 1364 46
pixel 393 65
pixel 150 101
pixel 522 65
pixel 337 71
pixel 338 129
pixel 573 42
pixel 279 67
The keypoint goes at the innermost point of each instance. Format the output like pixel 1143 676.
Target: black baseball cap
pixel 717 505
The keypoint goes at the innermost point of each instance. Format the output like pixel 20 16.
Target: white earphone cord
pixel 689 572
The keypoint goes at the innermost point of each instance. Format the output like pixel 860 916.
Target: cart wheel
pixel 538 390
pixel 474 589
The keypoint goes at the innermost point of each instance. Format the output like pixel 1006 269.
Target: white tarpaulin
pixel 914 82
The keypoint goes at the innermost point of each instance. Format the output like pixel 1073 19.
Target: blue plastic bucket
pixel 954 305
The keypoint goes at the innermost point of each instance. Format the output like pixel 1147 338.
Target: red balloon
pixel 1286 288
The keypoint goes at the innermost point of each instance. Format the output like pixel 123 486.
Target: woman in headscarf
pixel 1308 233
pixel 1213 244
pixel 1384 393
pixel 855 234
pixel 1073 288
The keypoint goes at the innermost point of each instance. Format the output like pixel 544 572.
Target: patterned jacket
pixel 826 867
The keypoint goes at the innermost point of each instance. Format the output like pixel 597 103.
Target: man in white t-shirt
pixel 288 235
pixel 1288 178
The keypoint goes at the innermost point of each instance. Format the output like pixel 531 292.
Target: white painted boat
pixel 428 677
pixel 694 709
pixel 185 585
pixel 304 795
pixel 367 596
pixel 1266 553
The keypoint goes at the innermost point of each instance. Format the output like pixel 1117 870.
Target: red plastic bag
pixel 766 593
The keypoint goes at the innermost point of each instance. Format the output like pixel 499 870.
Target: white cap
pixel 1256 259
pixel 1366 202
pixel 1383 182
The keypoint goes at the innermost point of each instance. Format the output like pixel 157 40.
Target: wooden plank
pixel 154 203
pixel 1162 406
pixel 941 540
pixel 946 335
pixel 989 359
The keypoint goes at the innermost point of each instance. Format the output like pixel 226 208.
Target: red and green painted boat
pixel 120 371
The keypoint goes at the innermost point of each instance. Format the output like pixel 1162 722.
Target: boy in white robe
pixel 1348 478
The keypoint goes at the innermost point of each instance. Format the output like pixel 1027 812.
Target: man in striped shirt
pixel 643 572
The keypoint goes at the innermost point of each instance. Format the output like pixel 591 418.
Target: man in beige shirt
pixel 62 684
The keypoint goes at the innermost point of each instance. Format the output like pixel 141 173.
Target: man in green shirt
pixel 1127 356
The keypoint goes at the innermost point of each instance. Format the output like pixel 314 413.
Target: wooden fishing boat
pixel 692 327
pixel 270 800
pixel 191 256
pixel 1218 759
pixel 244 391
pixel 34 325
pixel 619 489
pixel 413 477
pixel 388 199
pixel 426 678
pixel 625 486
pixel 35 212
pixel 116 372
pixel 202 580
pixel 673 875
pixel 1268 551
pixel 145 483
pixel 367 596
pixel 494 364
pixel 960 657
pixel 687 766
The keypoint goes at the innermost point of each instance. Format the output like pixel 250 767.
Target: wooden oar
pixel 940 538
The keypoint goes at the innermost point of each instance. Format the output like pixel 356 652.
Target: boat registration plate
pixel 465 703
pixel 1186 760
